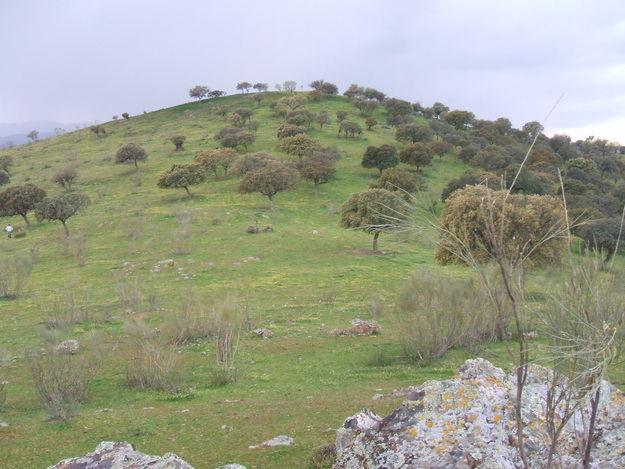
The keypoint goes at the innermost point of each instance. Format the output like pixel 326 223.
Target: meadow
pixel 303 279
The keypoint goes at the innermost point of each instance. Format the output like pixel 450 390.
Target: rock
pixel 252 229
pixel 4 425
pixel 468 421
pixel 166 262
pixel 359 327
pixel 280 440
pixel 119 455
pixel 268 229
pixel 69 346
pixel 232 466
pixel 315 232
pixel 262 332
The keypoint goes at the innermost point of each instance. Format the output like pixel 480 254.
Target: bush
pixel 251 162
pixel 14 274
pixel 131 153
pixel 269 180
pixel 234 137
pixel 152 363
pixel 62 381
pixel 323 457
pixel 382 157
pixel 182 176
pixel 416 154
pixel 298 145
pixel 178 141
pixel 66 176
pixel 213 160
pixel 195 320
pixel 437 313
pixel 290 130
pixel 401 180
pixel 5 363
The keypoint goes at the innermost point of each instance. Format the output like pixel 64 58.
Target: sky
pixel 86 60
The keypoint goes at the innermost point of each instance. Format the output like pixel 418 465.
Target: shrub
pixel 125 115
pixel 300 117
pixel 382 157
pixel 178 141
pixel 6 161
pixel 227 337
pixel 66 176
pixel 440 147
pixel 290 130
pixel 5 178
pixel 401 180
pixel 131 153
pixel 298 145
pixel 453 185
pixel 251 162
pixel 234 137
pixel 14 274
pixel 195 320
pixel 62 381
pixel 349 129
pixel 528 219
pixel 152 364
pixel 370 122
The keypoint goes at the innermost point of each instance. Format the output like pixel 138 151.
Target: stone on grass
pixel 359 327
pixel 69 346
pixel 263 333
pixel 121 455
pixel 468 421
pixel 280 440
pixel 232 466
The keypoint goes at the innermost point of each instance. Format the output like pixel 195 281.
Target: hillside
pixel 301 280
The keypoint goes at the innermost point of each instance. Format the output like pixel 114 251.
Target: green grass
pixel 301 383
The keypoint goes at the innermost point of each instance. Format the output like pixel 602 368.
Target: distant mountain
pixel 15 133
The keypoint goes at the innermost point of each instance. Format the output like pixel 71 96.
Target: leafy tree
pixel 261 87
pixel 353 91
pixel 245 113
pixel 317 167
pixel 302 117
pixel 413 133
pixel 131 153
pixel 66 176
pixel 244 86
pixel 289 130
pixel 374 211
pixel 467 179
pixel 438 109
pixel 233 137
pixel 125 115
pixel 283 106
pixel 440 128
pixel 465 222
pixel 5 178
pixel 61 208
pixel 527 181
pixel 33 135
pixel 258 97
pixel 503 126
pixel 382 157
pixel 440 147
pixel 468 152
pixel 532 129
pixel 315 95
pixel 459 119
pixel 98 130
pixel 182 176
pixel 19 200
pixel 371 122
pixel 251 162
pixel 365 106
pixel 216 93
pixel 398 111
pixel 198 92
pixel 349 129
pixel 324 87
pixel 289 86
pixel 372 93
pixel 213 160
pixel 601 235
pixel 416 154
pixel 178 141
pixel 341 116
pixel 298 145
pixel 323 118
pixel 6 161
pixel 268 180
pixel 398 179
pixel 491 158
pixel 115 117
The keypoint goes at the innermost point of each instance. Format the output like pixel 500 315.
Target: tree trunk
pixel 594 406
pixel 65 229
pixel 188 191
pixel 273 206
pixel 375 241
pixel 136 165
pixel 25 218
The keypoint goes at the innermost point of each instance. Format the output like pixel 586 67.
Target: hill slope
pixel 306 277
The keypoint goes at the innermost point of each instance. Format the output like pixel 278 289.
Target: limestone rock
pixel 263 333
pixel 121 455
pixel 69 346
pixel 232 466
pixel 468 422
pixel 280 440
pixel 359 327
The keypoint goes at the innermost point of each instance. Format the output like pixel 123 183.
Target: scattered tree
pixel 398 179
pixel 298 145
pixel 6 161
pixel 131 153
pixel 601 235
pixel 290 130
pixel 341 116
pixel 5 178
pixel 323 118
pixel 61 208
pixel 98 130
pixel 125 115
pixel 233 137
pixel 467 179
pixel 181 176
pixel 261 87
pixel 268 180
pixel 372 93
pixel 459 119
pixel 416 154
pixel 382 157
pixel 438 109
pixel 413 133
pixel 374 211
pixel 440 147
pixel 213 160
pixel 354 91
pixel 33 135
pixel 251 162
pixel 178 141
pixel 289 86
pixel 198 92
pixel 365 106
pixel 115 117
pixel 66 176
pixel 370 122
pixel 302 117
pixel 19 200
pixel 317 167
pixel 349 129
pixel 244 86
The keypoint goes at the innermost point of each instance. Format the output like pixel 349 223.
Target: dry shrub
pixel 194 320
pixel 76 246
pixel 228 325
pixel 152 362
pixel 183 234
pixel 62 381
pixel 14 274
pixel 376 305
pixel 5 363
pixel 437 313
pixel 66 308
pixel 129 293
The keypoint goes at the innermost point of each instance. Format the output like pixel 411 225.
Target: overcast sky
pixel 85 60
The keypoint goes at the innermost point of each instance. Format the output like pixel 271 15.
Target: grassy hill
pixel 301 280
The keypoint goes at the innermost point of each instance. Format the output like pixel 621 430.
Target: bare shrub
pixel 228 324
pixel 62 381
pixel 76 247
pixel 66 308
pixel 437 313
pixel 376 305
pixel 183 234
pixel 194 320
pixel 129 293
pixel 152 362
pixel 14 275
pixel 5 363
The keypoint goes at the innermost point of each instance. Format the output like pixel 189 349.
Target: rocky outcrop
pixel 468 422
pixel 359 327
pixel 118 455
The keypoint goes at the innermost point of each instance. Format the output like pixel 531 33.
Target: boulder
pixel 121 455
pixel 263 333
pixel 280 440
pixel 468 422
pixel 359 327
pixel 69 346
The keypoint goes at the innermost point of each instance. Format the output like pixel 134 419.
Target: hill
pixel 143 255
